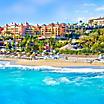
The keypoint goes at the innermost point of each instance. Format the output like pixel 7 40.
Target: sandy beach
pixel 50 62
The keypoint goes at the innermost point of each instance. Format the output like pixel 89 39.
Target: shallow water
pixel 37 87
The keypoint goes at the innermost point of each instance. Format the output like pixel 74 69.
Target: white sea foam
pixel 56 81
pixel 50 81
pixel 64 80
pixel 78 70
pixel 95 77
pixel 55 69
pixel 102 76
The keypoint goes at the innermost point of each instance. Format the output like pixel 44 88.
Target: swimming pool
pixel 38 87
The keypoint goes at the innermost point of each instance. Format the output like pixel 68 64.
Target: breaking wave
pixel 50 81
pixel 78 70
pixel 56 81
pixel 5 64
pixel 78 80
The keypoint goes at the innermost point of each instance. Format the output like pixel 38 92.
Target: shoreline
pixel 50 62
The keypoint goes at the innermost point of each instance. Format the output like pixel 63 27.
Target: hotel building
pixel 47 31
pixel 20 29
pixel 53 30
pixel 97 21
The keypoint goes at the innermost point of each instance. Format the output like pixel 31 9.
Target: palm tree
pixel 41 45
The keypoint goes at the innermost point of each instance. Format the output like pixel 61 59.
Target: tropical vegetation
pixel 89 43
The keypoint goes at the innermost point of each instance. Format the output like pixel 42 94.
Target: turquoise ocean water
pixel 37 87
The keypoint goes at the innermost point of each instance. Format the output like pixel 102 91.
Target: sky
pixel 48 11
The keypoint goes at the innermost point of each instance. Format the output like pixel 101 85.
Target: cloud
pixel 101 8
pixel 82 11
pixel 89 4
pixel 81 19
